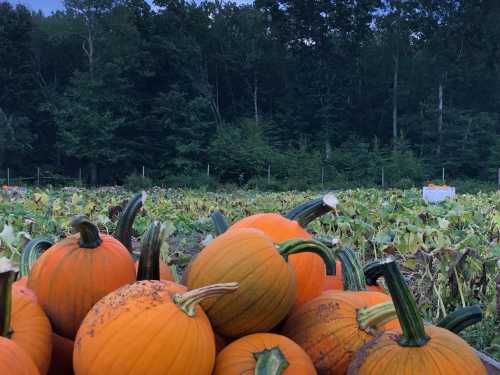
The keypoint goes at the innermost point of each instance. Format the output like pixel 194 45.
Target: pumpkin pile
pixel 264 297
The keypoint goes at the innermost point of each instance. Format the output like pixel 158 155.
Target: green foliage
pixel 135 182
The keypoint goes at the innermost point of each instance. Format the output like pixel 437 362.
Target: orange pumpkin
pixel 334 325
pixel 163 334
pixel 14 360
pixel 165 271
pixel 62 356
pixel 267 283
pixel 310 271
pixel 71 276
pixel 415 348
pixel 261 352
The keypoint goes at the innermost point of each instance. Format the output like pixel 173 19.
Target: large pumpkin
pixel 309 268
pixel 14 360
pixel 267 282
pixel 260 353
pixel 141 329
pixel 415 348
pixel 71 276
pixel 61 362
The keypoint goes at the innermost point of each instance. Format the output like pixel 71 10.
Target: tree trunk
pixel 93 174
pixel 498 297
pixel 328 149
pixel 255 94
pixel 395 98
pixel 440 118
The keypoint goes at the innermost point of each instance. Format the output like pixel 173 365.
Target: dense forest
pixel 305 90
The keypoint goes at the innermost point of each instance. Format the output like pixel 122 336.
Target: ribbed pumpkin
pixel 263 354
pixel 14 360
pixel 23 320
pixel 415 348
pixel 267 282
pixel 61 362
pixel 309 268
pixel 71 276
pixel 141 329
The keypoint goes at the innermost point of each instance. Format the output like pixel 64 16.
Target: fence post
pixel 442 176
pixel 322 177
pixel 208 170
pixel 383 178
pixel 80 176
pixel 269 174
pixel 143 172
pixel 38 176
pixel 8 176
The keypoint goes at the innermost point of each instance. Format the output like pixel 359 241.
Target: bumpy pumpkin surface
pixel 267 283
pixel 138 329
pixel 69 279
pixel 61 362
pixel 14 360
pixel 310 271
pixel 328 330
pixel 444 353
pixel 238 358
pixel 31 328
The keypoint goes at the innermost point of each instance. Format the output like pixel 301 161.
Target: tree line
pixel 340 88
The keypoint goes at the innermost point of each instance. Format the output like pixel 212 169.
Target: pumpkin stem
pixel 461 318
pixel 270 362
pixel 89 233
pixel 7 276
pixel 370 319
pixel 189 300
pixel 296 246
pixel 410 320
pixel 354 278
pixel 149 261
pixel 309 211
pixel 123 232
pixel 220 222
pixel 31 252
pixel 372 273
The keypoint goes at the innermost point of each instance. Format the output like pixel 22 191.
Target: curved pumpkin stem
pixel 31 252
pixel 89 233
pixel 296 246
pixel 149 261
pixel 354 278
pixel 372 273
pixel 461 318
pixel 309 211
pixel 123 232
pixel 370 319
pixel 7 276
pixel 220 222
pixel 270 362
pixel 189 300
pixel 409 317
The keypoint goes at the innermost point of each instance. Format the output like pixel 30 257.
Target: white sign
pixel 437 194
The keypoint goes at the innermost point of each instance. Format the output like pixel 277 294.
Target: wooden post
pixel 383 178
pixel 498 296
pixel 8 176
pixel 322 177
pixel 208 170
pixel 38 176
pixel 442 176
pixel 269 174
pixel 143 172
pixel 80 176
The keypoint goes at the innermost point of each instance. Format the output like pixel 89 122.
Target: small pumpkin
pixel 163 334
pixel 267 282
pixel 263 354
pixel 14 360
pixel 62 356
pixel 416 348
pixel 71 276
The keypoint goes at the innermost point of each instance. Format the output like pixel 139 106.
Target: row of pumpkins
pixel 264 297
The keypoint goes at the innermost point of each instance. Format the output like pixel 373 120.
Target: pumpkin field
pixel 371 273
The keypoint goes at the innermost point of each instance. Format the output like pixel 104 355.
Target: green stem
pixel 461 318
pixel 7 277
pixel 189 300
pixel 410 320
pixel 296 246
pixel 31 252
pixel 372 273
pixel 270 362
pixel 370 319
pixel 123 232
pixel 149 261
pixel 309 211
pixel 220 222
pixel 89 233
pixel 354 278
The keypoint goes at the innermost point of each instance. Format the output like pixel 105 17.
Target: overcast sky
pixel 47 6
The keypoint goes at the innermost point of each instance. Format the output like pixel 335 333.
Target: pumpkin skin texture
pixel 444 353
pixel 238 357
pixel 69 279
pixel 165 272
pixel 21 283
pixel 31 328
pixel 328 330
pixel 14 360
pixel 161 337
pixel 267 283
pixel 62 356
